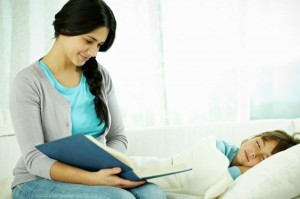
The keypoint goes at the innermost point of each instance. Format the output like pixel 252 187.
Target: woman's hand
pixel 109 177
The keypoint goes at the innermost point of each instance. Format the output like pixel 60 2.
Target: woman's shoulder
pixel 30 72
pixel 107 80
pixel 29 76
pixel 103 70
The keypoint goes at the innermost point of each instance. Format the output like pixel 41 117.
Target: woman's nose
pixel 93 51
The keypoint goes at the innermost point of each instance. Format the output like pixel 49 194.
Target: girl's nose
pixel 252 154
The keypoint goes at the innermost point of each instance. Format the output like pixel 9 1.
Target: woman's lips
pixel 85 58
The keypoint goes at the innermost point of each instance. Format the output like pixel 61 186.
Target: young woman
pixel 67 92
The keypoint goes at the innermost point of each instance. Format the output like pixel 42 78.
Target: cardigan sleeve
pixel 25 109
pixel 115 137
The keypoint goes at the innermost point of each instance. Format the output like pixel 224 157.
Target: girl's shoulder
pixel 226 147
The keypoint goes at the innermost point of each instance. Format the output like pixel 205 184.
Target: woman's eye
pixel 88 41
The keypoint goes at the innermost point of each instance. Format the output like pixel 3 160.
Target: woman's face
pixel 254 151
pixel 78 49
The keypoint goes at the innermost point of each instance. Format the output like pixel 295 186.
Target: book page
pixel 120 156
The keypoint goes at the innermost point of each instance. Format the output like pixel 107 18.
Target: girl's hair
pixel 79 17
pixel 285 140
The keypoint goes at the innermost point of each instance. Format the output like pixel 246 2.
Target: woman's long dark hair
pixel 79 17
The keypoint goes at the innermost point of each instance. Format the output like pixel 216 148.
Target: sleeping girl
pixel 217 163
pixel 256 149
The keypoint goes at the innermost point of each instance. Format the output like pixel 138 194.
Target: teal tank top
pixel 83 114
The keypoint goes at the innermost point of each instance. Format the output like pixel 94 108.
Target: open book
pixel 85 152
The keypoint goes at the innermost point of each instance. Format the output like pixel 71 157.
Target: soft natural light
pixel 179 62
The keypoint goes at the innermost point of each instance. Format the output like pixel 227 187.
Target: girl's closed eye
pixel 258 144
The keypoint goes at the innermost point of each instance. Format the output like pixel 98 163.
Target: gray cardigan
pixel 41 114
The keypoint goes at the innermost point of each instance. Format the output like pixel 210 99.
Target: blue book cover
pixel 85 152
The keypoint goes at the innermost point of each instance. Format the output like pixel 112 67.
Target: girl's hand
pixel 109 177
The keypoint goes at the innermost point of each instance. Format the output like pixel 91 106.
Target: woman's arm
pixel 25 109
pixel 65 173
pixel 116 137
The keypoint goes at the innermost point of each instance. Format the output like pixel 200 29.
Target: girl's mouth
pixel 246 156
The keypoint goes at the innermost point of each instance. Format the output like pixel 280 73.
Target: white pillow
pixel 278 177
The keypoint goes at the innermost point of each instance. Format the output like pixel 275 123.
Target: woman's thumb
pixel 115 170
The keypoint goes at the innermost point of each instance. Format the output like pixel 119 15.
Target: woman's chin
pixel 79 63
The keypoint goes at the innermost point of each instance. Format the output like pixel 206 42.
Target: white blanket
pixel 208 179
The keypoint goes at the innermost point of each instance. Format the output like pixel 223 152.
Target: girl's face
pixel 254 151
pixel 78 49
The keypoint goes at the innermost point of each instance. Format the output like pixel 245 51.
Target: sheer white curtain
pixel 26 34
pixel 135 62
pixel 273 55
pixel 179 62
pixel 204 60
pixel 231 60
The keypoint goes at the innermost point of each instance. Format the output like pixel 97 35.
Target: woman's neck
pixel 57 60
pixel 62 69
